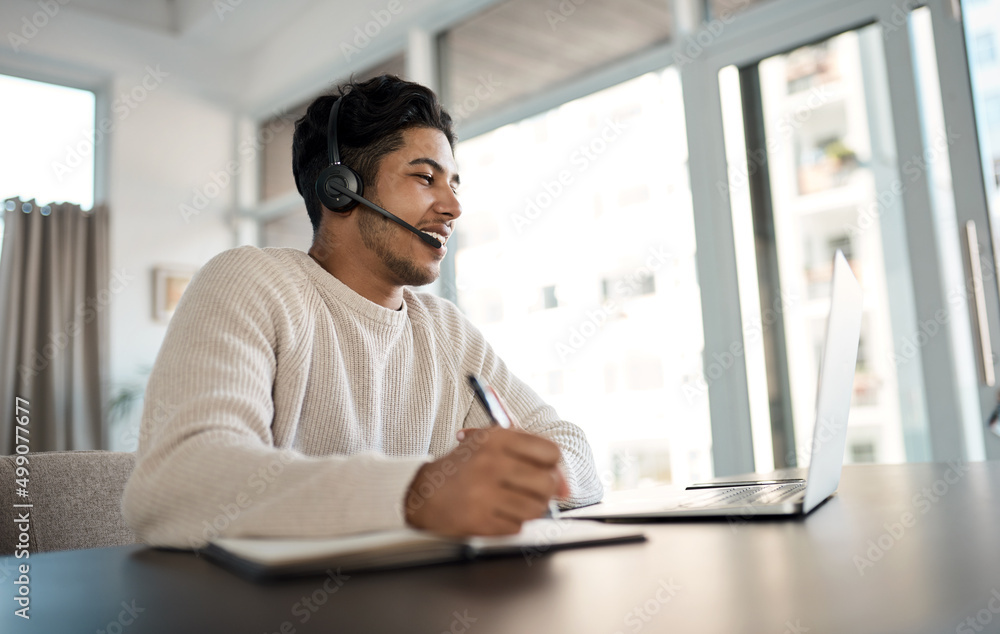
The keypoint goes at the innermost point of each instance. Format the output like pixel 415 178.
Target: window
pixel 862 452
pixel 623 286
pixel 549 297
pixel 992 112
pixel 820 183
pixel 49 142
pixel 624 329
pixel 986 52
pixel 984 16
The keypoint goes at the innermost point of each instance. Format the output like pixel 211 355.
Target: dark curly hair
pixel 371 124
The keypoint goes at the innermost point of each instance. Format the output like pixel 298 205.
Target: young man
pixel 316 394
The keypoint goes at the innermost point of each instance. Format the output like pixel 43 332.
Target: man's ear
pixel 330 218
pixel 333 215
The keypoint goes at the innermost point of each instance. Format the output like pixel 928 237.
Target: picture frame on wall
pixel 169 283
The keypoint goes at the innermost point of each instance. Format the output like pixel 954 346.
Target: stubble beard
pixel 376 234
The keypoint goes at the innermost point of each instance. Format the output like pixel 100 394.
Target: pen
pixel 491 402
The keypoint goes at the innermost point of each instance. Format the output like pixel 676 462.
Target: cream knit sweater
pixel 282 403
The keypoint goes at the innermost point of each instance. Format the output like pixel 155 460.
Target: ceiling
pixel 242 53
pixel 168 16
pixel 258 56
pixel 520 47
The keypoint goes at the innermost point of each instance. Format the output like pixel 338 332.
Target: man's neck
pixel 357 276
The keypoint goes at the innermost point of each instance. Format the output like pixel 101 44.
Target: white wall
pixel 164 151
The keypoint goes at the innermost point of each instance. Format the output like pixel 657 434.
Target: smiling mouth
pixel 437 236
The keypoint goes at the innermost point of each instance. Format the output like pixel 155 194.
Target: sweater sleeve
pixel 210 462
pixel 538 417
pixel 534 414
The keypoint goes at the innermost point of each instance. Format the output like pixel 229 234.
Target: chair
pixel 76 498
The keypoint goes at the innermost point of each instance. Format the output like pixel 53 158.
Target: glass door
pixel 981 21
pixel 815 189
pixel 843 141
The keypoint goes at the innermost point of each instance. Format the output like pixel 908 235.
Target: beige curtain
pixel 55 293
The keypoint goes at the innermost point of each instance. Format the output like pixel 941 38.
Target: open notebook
pixel 269 558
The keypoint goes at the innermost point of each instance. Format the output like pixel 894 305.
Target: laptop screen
pixel 836 385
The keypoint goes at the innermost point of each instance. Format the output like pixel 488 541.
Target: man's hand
pixel 492 482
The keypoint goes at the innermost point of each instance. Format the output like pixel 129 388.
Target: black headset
pixel 340 188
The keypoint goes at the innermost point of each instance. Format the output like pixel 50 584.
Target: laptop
pixel 778 497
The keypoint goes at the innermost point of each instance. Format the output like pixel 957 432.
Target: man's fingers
pixel 515 442
pixel 530 479
pixel 507 478
pixel 502 524
pixel 519 506
pixel 527 446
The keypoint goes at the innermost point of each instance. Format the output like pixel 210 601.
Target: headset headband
pixel 340 188
pixel 331 133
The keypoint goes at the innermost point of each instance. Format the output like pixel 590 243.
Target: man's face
pixel 416 183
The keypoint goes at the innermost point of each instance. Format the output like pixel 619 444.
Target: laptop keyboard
pixel 744 495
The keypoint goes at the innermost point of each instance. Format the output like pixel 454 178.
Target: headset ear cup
pixel 346 178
